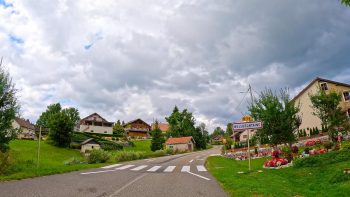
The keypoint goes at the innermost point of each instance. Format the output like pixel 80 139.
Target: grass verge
pixel 322 180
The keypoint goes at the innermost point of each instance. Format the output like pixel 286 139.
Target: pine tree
pixel 157 138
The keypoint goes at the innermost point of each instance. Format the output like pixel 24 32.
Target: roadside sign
pixel 247 118
pixel 247 125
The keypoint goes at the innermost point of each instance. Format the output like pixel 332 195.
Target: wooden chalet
pixel 95 123
pixel 137 128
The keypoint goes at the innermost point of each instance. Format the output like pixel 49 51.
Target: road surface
pixel 177 175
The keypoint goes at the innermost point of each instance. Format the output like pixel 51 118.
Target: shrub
pixel 328 145
pixel 98 156
pixel 107 145
pixel 128 156
pixel 73 161
pixel 295 149
pixel 74 145
pixel 307 150
pixel 5 161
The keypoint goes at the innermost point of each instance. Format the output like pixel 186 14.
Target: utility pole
pixel 251 97
pixel 37 166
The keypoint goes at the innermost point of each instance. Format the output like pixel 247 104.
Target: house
pixel 95 123
pixel 137 128
pixel 164 127
pixel 217 139
pixel 89 144
pixel 242 136
pixel 25 128
pixel 180 143
pixel 310 121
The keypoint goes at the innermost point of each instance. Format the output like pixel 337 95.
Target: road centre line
pixel 205 178
pixel 191 160
pixel 127 185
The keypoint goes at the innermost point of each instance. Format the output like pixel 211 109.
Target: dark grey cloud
pixel 139 59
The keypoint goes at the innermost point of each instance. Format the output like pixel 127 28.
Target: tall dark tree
pixel 199 138
pixel 8 109
pixel 326 108
pixel 60 122
pixel 204 131
pixel 279 115
pixel 229 129
pixel 157 138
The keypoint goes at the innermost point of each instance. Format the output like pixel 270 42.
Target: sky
pixel 128 59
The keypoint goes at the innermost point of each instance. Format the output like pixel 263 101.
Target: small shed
pixel 181 143
pixel 89 145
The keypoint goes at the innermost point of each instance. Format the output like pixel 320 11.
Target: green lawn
pixel 24 155
pixel 293 181
pixel 140 145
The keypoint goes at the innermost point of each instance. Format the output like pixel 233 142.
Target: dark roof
pixel 320 80
pixel 96 114
pixel 90 140
pixel 24 123
pixel 139 119
pixel 179 140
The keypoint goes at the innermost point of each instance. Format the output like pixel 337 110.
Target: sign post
pixel 247 124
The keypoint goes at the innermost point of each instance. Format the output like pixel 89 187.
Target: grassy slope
pixel 140 145
pixel 52 160
pixel 284 182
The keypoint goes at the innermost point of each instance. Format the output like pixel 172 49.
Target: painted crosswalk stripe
pixel 139 168
pixel 169 169
pixel 201 169
pixel 111 166
pixel 154 168
pixel 185 169
pixel 125 167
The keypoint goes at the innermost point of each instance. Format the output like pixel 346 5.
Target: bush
pixel 73 161
pixel 108 145
pixel 307 150
pixel 295 149
pixel 328 145
pixel 5 162
pixel 98 156
pixel 128 156
pixel 323 159
pixel 74 145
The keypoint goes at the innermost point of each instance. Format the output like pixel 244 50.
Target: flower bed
pixel 276 162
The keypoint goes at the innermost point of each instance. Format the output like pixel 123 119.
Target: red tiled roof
pixel 164 127
pixel 24 123
pixel 179 140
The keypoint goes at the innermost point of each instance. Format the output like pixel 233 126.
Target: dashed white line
pixel 139 168
pixel 124 167
pixel 185 169
pixel 154 168
pixel 201 169
pixel 169 169
pixel 191 160
pixel 111 166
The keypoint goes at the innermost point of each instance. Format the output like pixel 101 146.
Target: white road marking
pixel 199 176
pixel 191 160
pixel 111 166
pixel 201 169
pixel 97 172
pixel 169 169
pixel 124 167
pixel 139 168
pixel 185 169
pixel 149 160
pixel 200 159
pixel 154 168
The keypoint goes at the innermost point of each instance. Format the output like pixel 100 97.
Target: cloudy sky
pixel 128 59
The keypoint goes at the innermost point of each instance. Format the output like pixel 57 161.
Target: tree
pixel 181 123
pixel 229 129
pixel 204 131
pixel 217 131
pixel 199 138
pixel 118 129
pixel 279 115
pixel 157 138
pixel 8 109
pixel 60 122
pixel 346 2
pixel 326 108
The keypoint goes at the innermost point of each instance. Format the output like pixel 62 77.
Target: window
pixel 346 96
pixel 245 136
pixel 105 131
pixel 92 147
pixel 171 146
pixel 324 86
pixel 92 131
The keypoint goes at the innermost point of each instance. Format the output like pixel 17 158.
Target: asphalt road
pixel 178 175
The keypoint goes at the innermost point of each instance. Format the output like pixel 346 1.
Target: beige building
pixel 89 144
pixel 242 136
pixel 180 143
pixel 25 128
pixel 310 121
pixel 94 123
